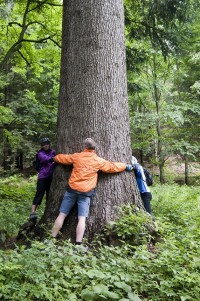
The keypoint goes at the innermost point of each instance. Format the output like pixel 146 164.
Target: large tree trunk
pixel 93 103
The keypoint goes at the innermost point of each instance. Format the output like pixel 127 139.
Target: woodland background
pixel 162 44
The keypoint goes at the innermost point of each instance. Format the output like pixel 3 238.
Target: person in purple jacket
pixel 44 155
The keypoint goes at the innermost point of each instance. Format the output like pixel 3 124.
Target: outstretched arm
pixel 63 159
pixel 111 167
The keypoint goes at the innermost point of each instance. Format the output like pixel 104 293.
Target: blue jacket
pixel 140 178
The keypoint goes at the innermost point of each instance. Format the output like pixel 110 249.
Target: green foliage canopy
pixel 30 67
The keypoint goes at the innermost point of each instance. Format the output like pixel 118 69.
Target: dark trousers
pixel 43 186
pixel 146 199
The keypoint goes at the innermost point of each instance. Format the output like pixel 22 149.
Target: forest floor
pixel 175 167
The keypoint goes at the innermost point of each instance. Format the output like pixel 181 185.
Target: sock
pixel 78 243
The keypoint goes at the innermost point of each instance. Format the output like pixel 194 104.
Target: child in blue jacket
pixel 145 193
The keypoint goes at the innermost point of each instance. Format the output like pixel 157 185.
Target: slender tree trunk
pixel 161 170
pixel 6 155
pixel 19 161
pixel 93 103
pixel 157 95
pixel 186 171
pixel 141 156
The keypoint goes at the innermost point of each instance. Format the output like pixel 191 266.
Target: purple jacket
pixel 46 167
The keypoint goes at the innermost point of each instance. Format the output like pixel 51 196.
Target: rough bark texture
pixel 93 103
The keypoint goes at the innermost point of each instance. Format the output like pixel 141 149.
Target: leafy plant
pixel 132 227
pixel 169 270
pixel 16 195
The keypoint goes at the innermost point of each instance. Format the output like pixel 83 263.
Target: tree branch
pixel 56 43
pixel 24 58
pixel 16 23
pixel 17 45
pixel 40 4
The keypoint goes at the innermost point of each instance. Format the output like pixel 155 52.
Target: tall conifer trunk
pixel 93 103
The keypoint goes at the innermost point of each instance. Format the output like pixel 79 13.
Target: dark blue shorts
pixel 71 198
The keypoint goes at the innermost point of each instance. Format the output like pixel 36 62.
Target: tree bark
pixel 93 103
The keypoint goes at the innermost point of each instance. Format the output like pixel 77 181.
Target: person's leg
pixel 33 208
pixel 80 229
pixel 83 211
pixel 146 198
pixel 68 202
pixel 58 224
pixel 47 186
pixel 40 191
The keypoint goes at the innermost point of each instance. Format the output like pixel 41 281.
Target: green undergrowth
pixel 16 196
pixel 139 269
pixel 133 227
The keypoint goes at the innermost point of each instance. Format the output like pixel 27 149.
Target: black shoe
pixel 33 216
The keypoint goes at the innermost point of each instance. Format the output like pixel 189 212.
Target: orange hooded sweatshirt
pixel 85 168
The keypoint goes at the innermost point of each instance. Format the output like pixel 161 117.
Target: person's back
pixel 145 193
pixel 86 164
pixel 82 183
pixel 140 178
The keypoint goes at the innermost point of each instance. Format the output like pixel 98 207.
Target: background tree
pixel 155 35
pixel 93 103
pixel 186 93
pixel 29 76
